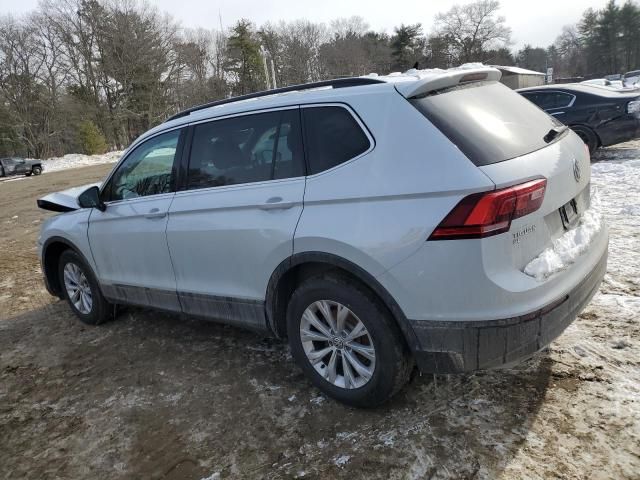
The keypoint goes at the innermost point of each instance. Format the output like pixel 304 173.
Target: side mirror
pixel 90 198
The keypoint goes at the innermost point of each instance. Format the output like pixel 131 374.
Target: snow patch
pixel 213 476
pixel 566 249
pixel 414 74
pixel 342 460
pixel 75 160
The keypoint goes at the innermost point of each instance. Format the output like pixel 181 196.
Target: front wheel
pixel 81 289
pixel 36 170
pixel 346 341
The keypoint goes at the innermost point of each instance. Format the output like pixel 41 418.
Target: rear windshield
pixel 488 121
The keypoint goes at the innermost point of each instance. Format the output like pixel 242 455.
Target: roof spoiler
pixel 431 82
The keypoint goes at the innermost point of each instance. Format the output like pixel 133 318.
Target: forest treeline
pixel 91 75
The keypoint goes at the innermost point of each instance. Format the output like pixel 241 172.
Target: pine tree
pixel 90 138
pixel 243 58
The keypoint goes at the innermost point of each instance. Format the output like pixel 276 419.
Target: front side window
pixel 246 149
pixel 148 170
pixel 332 137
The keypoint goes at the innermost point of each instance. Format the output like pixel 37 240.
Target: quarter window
pixel 332 137
pixel 148 170
pixel 246 149
pixel 550 100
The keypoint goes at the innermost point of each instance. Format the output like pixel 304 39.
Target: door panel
pixel 129 246
pixel 21 167
pixel 226 242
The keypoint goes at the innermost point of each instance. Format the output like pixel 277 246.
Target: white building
pixel 516 77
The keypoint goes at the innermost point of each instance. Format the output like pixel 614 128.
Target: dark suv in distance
pixel 600 116
pixel 19 166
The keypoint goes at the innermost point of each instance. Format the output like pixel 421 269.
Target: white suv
pixel 377 222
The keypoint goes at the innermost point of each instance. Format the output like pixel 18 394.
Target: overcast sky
pixel 536 22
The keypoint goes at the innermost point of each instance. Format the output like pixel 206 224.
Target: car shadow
pixel 153 395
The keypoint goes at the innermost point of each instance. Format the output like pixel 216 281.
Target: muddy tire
pixel 346 341
pixel 588 136
pixel 80 289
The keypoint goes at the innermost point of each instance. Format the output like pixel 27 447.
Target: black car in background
pixel 601 116
pixel 19 166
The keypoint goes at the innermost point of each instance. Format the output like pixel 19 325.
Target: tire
pixel 588 136
pixel 99 309
pixel 36 170
pixel 391 366
pixel 28 174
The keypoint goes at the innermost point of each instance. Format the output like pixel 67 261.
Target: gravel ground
pixel 151 395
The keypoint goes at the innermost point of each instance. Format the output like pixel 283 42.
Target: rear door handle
pixel 276 203
pixel 156 213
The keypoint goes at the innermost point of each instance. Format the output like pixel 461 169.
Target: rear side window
pixel 246 149
pixel 489 122
pixel 550 100
pixel 332 137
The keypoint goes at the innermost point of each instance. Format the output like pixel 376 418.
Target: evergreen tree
pixel 244 60
pixel 407 46
pixel 90 138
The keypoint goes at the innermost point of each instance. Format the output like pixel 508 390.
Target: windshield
pixel 488 121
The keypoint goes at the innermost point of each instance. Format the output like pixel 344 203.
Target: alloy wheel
pixel 78 288
pixel 337 344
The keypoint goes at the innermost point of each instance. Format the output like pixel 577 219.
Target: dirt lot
pixel 151 395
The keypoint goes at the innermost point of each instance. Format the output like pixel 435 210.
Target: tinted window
pixel 550 100
pixel 332 136
pixel 489 122
pixel 148 170
pixel 250 148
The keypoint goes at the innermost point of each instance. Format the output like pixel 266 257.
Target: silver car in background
pixel 378 223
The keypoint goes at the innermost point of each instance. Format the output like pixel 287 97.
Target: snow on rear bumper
pixel 452 347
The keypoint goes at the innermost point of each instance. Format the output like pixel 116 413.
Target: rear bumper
pixel 453 347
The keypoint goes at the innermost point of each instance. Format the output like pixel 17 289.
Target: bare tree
pixel 473 29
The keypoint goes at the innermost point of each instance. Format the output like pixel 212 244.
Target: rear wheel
pixel 81 289
pixel 36 170
pixel 588 136
pixel 346 342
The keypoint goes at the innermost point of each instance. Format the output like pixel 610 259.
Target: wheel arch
pixel 585 126
pixel 51 252
pixel 303 265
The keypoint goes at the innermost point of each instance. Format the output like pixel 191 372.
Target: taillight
pixel 489 213
pixel 586 149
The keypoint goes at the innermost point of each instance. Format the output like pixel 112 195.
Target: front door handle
pixel 276 203
pixel 156 213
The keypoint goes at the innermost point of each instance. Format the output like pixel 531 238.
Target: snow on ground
pixel 617 177
pixel 75 160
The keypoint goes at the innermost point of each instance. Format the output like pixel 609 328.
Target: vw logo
pixel 576 170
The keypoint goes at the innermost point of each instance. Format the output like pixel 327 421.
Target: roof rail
pixel 336 83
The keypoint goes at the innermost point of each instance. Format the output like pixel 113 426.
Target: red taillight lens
pixel 489 213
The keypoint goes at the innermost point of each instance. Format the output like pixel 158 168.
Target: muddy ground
pixel 158 396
